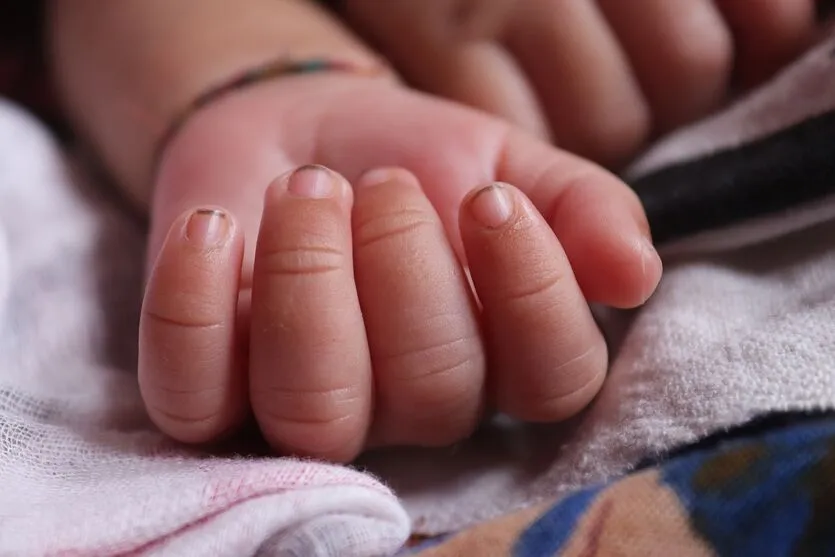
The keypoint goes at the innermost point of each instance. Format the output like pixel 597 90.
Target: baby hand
pixel 350 321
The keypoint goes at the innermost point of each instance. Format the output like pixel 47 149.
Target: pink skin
pixel 598 77
pixel 346 319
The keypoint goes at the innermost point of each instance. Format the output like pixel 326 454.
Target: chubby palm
pixel 438 268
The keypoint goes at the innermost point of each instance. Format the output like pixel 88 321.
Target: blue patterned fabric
pixel 770 494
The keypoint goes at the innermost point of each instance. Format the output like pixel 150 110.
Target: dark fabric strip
pixel 824 9
pixel 778 172
pixel 759 425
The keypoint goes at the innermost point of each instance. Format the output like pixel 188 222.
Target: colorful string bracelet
pixel 271 70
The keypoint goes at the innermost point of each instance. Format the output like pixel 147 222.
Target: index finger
pixel 598 219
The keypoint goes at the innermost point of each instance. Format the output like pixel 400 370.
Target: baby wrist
pixel 131 71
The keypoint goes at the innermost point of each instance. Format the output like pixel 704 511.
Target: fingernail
pixel 648 244
pixel 207 228
pixel 492 206
pixel 651 260
pixel 312 181
pixel 650 252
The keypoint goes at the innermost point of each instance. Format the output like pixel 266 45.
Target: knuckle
pixel 391 225
pixel 438 360
pixel 697 54
pixel 708 59
pixel 323 423
pixel 440 349
pixel 314 259
pixel 182 418
pixel 434 390
pixel 320 406
pixel 197 316
pixel 479 18
pixel 326 418
pixel 184 397
pixel 179 364
pixel 612 135
pixel 569 387
pixel 582 368
pixel 544 284
pixel 336 440
pixel 188 423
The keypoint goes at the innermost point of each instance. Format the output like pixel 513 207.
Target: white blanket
pixel 743 324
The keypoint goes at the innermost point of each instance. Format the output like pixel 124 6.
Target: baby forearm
pixel 126 69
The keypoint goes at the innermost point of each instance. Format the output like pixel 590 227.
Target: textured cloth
pixel 769 495
pixel 82 470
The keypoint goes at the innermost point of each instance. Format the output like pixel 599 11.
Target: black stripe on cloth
pixel 824 9
pixel 759 425
pixel 778 172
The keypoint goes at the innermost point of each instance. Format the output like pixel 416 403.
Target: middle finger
pixel 419 316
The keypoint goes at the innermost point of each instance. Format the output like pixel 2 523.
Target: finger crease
pixel 181 419
pixel 366 238
pixel 456 358
pixel 339 394
pixel 539 288
pixel 165 390
pixel 273 414
pixel 302 261
pixel 178 322
pixel 588 352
